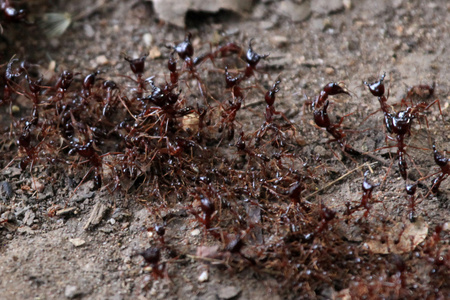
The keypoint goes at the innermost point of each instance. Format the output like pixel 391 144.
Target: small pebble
pixel 89 31
pixel 279 40
pixel 101 60
pixel 204 276
pixel 347 4
pixel 71 291
pixel 195 232
pixel 15 109
pixel 329 71
pixel 148 39
pixel 154 53
pixel 228 292
pixel 77 242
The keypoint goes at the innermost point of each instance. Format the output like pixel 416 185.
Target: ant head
pixel 14 15
pixel 109 84
pixel 253 58
pixel 411 189
pixel 439 159
pixel 366 185
pixel 377 87
pixel 207 206
pixel 185 48
pixel 137 65
pixel 34 85
pixel 151 255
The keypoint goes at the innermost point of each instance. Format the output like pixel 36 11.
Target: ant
pixel 88 83
pixel 397 123
pixel 229 113
pixel 9 77
pixel 321 118
pixel 366 198
pixel 167 106
pixel 208 210
pixel 185 51
pixel 326 216
pixel 152 257
pixel 109 87
pixel 172 66
pixel 88 151
pixel 24 142
pixel 410 192
pixel 252 59
pixel 269 97
pixel 10 13
pixel 137 66
pixel 61 87
pixel 443 163
pixel 241 146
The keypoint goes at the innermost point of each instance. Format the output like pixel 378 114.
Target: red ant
pixel 185 51
pixel 35 88
pixel 229 113
pixel 326 216
pixel 167 106
pixel 109 87
pixel 252 59
pixel 366 198
pixel 24 142
pixel 160 230
pixel 152 257
pixel 443 163
pixel 208 211
pixel 137 66
pixel 88 83
pixel 9 77
pixel 61 87
pixel 10 13
pixel 270 113
pixel 172 66
pixel 321 118
pixel 398 123
pixel 410 191
pixel 241 146
pixel 33 85
pixel 88 151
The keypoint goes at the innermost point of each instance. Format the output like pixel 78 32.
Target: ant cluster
pixel 181 139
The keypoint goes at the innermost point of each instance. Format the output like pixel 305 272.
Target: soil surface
pixel 62 239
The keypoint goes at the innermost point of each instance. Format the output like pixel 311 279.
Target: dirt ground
pixel 75 255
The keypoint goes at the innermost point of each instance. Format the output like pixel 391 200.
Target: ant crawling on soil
pixel 137 66
pixel 366 199
pixel 321 118
pixel 398 123
pixel 11 13
pixel 270 113
pixel 443 163
pixel 152 257
pixel 88 151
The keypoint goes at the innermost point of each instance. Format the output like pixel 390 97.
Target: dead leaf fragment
pixel 402 238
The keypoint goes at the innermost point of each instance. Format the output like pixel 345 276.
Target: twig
pixel 339 179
